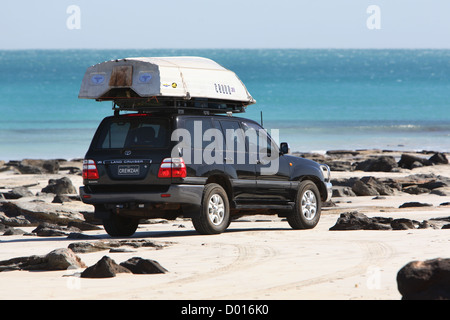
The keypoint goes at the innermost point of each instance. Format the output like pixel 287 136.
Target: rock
pixel 342 152
pixel 14 232
pixel 402 224
pixel 340 191
pixel 143 266
pixel 425 280
pixel 15 221
pixel 59 198
pixel 408 161
pixel 438 158
pixel 46 229
pixel 17 193
pixel 32 166
pixel 443 192
pixel 85 247
pixel 59 259
pixel 83 226
pixel 37 211
pixel 370 186
pixel 104 268
pixel 358 221
pixel 362 189
pixel 60 186
pixel 337 165
pixel 415 205
pixel 380 164
pixel 415 190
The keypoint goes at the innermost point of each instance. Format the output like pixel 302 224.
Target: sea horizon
pixel 318 99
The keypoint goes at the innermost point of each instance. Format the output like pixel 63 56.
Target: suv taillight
pixel 90 171
pixel 172 168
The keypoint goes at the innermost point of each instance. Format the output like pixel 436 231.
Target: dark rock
pixel 402 224
pixel 338 165
pixel 60 186
pixel 17 193
pixel 358 221
pixel 104 268
pixel 342 152
pixel 85 247
pixel 143 266
pixel 380 164
pixel 370 186
pixel 407 161
pixel 31 166
pixel 45 229
pixel 415 205
pixel 446 226
pixel 425 280
pixel 438 158
pixel 14 232
pixel 415 190
pixel 59 198
pixel 83 226
pixel 339 191
pixel 440 192
pixel 81 236
pixel 362 189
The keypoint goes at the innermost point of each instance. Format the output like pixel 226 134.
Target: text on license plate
pixel 128 170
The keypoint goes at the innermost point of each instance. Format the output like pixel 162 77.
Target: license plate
pixel 128 170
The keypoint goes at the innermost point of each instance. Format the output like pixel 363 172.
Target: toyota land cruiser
pixel 210 168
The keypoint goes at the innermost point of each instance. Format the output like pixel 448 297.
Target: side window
pixel 258 140
pixel 234 137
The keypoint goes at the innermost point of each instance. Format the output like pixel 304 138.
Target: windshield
pixel 133 132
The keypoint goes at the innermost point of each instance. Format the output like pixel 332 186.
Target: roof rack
pixel 171 105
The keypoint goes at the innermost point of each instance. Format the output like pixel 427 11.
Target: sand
pixel 258 257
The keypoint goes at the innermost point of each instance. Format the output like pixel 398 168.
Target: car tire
pixel 214 215
pixel 120 226
pixel 306 212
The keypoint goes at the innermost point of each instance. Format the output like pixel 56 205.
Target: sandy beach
pixel 258 257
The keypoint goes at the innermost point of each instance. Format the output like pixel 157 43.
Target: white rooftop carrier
pixel 178 82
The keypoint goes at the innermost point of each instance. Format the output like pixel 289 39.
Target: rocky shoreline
pixel 41 196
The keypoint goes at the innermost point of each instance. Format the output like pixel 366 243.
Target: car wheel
pixel 306 213
pixel 119 226
pixel 214 215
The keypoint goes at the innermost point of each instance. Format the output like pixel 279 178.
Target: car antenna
pixel 262 125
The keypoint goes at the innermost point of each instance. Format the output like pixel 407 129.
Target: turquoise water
pixel 317 99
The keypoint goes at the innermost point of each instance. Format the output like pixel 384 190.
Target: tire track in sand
pixel 375 253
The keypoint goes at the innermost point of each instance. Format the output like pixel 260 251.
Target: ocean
pixel 318 100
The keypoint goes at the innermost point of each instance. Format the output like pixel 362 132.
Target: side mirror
pixel 284 148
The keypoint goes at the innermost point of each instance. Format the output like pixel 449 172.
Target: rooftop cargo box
pixel 140 83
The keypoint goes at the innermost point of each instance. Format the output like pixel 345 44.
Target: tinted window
pixel 134 132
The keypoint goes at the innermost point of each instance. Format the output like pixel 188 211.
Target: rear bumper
pixel 177 194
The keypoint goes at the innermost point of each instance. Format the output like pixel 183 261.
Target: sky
pixel 151 24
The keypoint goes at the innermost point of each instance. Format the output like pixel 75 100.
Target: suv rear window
pixel 133 132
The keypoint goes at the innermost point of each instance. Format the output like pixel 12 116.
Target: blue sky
pixel 224 24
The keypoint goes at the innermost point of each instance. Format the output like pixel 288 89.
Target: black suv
pixel 210 168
